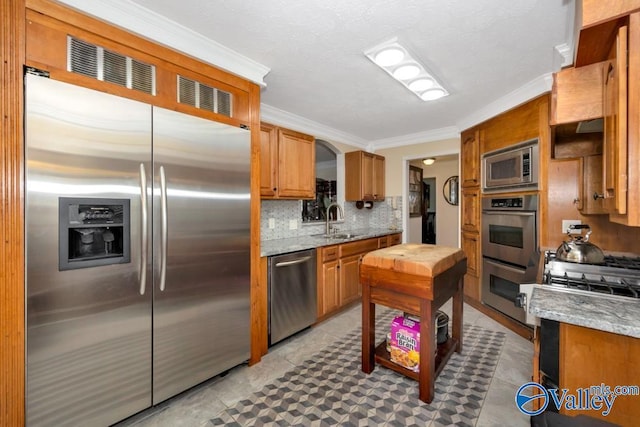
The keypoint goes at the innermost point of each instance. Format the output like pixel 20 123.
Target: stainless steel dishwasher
pixel 292 293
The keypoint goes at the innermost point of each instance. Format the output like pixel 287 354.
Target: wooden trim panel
pixel 49 21
pixel 12 328
pixel 52 22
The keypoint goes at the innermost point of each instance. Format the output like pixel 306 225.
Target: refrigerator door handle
pixel 144 233
pixel 164 225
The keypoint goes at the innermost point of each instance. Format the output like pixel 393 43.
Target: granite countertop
pixel 620 315
pixel 413 258
pixel 300 243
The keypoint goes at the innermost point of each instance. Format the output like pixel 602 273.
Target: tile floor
pixel 196 407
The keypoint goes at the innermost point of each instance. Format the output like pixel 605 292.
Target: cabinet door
pixel 470 151
pixel 615 129
pixel 268 161
pixel 296 165
pixel 329 280
pixel 349 278
pixel 471 209
pixel 577 94
pixel 591 183
pixel 378 178
pixel 367 176
pixel 471 248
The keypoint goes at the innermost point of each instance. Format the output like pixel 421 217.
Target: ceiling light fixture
pixel 399 64
pixel 429 161
pixel 389 57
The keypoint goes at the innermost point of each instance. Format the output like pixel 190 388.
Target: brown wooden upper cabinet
pixel 614 148
pixel 576 94
pixel 287 164
pixel 364 173
pixel 621 142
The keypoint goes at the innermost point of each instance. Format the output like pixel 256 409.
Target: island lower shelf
pixel 444 352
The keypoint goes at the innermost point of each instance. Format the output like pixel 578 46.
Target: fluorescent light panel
pixel 398 63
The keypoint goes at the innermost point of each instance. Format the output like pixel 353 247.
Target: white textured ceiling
pixel 481 50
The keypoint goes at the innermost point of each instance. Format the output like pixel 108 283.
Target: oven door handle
pixel 505 266
pixel 527 213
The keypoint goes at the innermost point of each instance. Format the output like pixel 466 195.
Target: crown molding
pixel 448 132
pixel 146 23
pixel 566 53
pixel 533 89
pixel 292 121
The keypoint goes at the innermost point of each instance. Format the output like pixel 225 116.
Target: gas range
pixel 618 276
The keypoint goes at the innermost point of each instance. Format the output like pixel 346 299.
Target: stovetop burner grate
pixel 603 286
pixel 617 276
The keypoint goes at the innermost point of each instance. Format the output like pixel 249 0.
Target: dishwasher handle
pixel 294 262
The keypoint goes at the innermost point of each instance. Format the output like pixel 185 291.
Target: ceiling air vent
pixel 204 97
pixel 94 61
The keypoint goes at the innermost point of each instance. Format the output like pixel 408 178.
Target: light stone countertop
pixel 620 315
pixel 300 243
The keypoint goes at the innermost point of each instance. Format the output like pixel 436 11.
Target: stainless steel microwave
pixel 513 168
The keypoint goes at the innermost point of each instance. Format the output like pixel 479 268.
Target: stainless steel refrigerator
pixel 137 258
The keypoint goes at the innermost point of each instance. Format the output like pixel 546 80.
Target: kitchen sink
pixel 339 236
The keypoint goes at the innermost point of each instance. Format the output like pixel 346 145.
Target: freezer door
pixel 89 328
pixel 201 250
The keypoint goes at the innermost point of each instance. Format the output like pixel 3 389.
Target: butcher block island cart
pixel 418 279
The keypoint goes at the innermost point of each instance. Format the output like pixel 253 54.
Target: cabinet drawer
pixel 383 242
pixel 353 248
pixel 329 253
pixel 395 239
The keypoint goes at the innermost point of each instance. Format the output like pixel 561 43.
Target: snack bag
pixel 405 343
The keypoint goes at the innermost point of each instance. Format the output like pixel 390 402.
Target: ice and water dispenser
pixel 93 232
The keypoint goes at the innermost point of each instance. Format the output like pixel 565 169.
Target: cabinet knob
pixel 275 189
pixel 597 196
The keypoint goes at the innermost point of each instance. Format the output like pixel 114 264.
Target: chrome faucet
pixel 341 214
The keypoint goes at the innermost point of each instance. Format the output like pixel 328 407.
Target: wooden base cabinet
pixel 350 278
pixel 589 357
pixel 338 271
pixel 328 280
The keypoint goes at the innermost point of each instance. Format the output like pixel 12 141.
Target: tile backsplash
pixel 286 218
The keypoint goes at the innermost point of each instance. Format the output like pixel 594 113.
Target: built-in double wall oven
pixel 510 252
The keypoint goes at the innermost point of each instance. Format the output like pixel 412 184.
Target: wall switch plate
pixel 293 224
pixel 272 223
pixel 567 222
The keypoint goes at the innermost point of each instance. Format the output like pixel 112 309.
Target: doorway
pixel 429 211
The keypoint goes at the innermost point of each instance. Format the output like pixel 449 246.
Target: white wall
pixel 396 157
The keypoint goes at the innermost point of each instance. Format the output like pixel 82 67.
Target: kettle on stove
pixel 579 249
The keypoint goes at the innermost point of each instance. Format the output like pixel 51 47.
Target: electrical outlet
pixel 293 224
pixel 567 222
pixel 272 223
